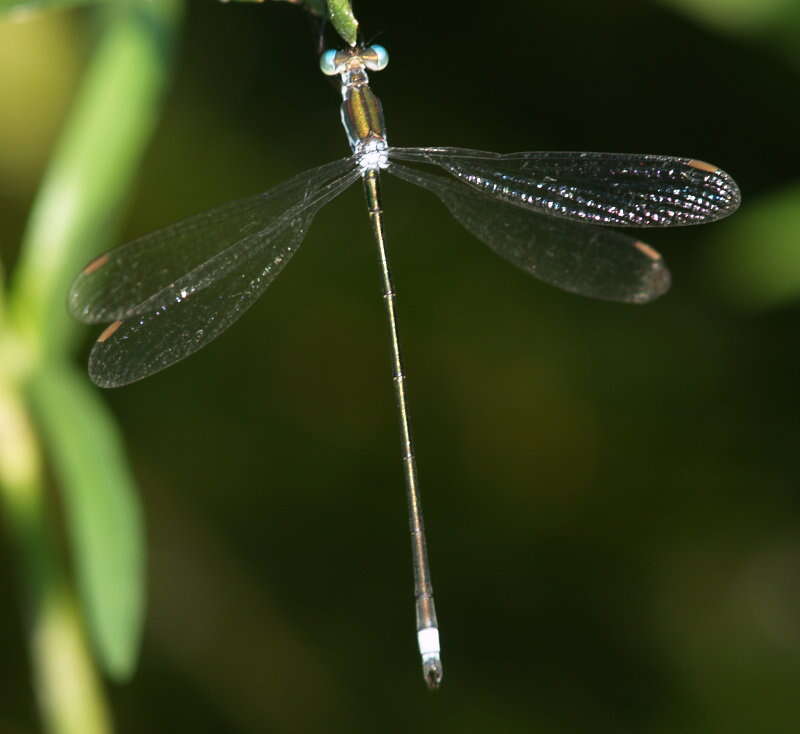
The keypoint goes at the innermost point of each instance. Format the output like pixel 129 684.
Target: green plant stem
pixel 70 696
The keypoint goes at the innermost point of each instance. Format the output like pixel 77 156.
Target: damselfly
pixel 171 292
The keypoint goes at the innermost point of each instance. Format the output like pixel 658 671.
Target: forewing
pixel 579 258
pixel 178 320
pixel 618 189
pixel 187 257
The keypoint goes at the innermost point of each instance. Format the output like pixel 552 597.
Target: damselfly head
pixel 374 58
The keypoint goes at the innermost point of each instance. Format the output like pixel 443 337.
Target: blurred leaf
pixel 41 86
pixel 774 23
pixel 64 675
pixel 102 511
pixel 93 166
pixel 26 6
pixel 73 217
pixel 756 257
pixel 743 16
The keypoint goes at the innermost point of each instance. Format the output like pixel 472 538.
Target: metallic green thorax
pixel 362 113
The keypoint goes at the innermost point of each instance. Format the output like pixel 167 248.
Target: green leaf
pixel 102 511
pixel 343 20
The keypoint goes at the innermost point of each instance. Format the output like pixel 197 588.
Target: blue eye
pixel 377 58
pixel 327 63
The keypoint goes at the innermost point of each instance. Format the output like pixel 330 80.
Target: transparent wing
pixel 173 291
pixel 619 189
pixel 186 257
pixel 599 263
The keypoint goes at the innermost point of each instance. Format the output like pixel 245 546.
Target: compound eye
pixel 327 63
pixel 375 58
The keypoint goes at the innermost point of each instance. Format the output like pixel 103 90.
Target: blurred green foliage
pixel 610 490
pixel 46 409
pixel 756 262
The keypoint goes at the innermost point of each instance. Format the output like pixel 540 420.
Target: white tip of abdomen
pixel 430 651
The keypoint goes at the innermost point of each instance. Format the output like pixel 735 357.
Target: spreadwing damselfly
pixel 171 292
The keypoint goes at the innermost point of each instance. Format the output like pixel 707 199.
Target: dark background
pixel 611 491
